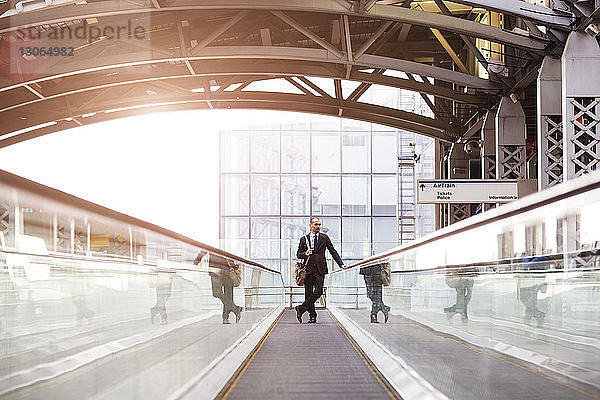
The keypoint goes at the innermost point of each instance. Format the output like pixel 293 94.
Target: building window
pixel 235 194
pixel 356 195
pixel 265 195
pixel 325 193
pixel 326 152
pixel 294 195
pixel 356 152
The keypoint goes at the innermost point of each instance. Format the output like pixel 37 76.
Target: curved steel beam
pixel 274 69
pixel 262 52
pixel 108 105
pixel 385 12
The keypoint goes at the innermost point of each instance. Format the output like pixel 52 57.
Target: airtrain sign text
pixel 431 191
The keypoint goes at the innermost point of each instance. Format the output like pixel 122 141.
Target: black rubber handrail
pixel 537 200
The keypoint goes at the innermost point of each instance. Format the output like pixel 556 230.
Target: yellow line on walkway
pixel 248 360
pixel 382 381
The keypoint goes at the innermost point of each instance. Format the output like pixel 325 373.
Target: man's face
pixel 315 225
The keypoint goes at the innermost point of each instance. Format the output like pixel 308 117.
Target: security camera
pixel 471 146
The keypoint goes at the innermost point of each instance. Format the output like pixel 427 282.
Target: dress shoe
pixel 238 314
pixel 374 319
pixel 450 312
pixel 312 321
pixel 226 321
pixel 386 313
pixel 299 313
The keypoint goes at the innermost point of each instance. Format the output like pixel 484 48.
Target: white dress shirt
pixel 312 240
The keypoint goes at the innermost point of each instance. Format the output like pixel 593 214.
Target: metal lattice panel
pixel 553 135
pixel 4 217
pixel 586 150
pixel 458 212
pixel 62 239
pixel 7 222
pixel 512 162
pixel 489 167
pixel 583 259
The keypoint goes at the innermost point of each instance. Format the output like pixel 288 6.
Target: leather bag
pixel 235 274
pixel 300 271
pixel 386 274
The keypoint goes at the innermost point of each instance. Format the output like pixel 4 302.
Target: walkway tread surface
pixel 153 370
pixel 459 370
pixel 307 361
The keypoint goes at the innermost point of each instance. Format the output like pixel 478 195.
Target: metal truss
pixel 553 155
pixel 458 212
pixel 62 234
pixel 511 162
pixel 489 167
pixel 7 224
pixel 584 147
pixel 204 55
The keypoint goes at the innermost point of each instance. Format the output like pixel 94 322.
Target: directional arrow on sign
pixel 422 187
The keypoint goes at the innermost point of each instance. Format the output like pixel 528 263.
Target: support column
pixel 438 161
pixel 488 150
pixel 510 140
pixel 549 123
pixel 458 169
pixel 580 104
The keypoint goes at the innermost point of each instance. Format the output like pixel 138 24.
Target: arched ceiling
pixel 133 57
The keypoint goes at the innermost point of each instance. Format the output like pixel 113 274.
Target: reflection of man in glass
pixel 374 284
pixel 222 285
pixel 312 250
pixel 8 299
pixel 461 280
pixel 79 292
pixel 529 284
pixel 162 282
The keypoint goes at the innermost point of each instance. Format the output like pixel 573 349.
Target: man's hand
pixel 308 252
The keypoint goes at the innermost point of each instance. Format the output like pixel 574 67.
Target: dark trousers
pixel 464 290
pixel 528 296
pixel 313 289
pixel 374 286
pixel 222 289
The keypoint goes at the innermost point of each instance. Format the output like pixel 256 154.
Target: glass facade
pixel 276 175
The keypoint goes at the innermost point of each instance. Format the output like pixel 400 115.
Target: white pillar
pixel 580 104
pixel 488 149
pixel 510 140
pixel 549 124
pixel 458 169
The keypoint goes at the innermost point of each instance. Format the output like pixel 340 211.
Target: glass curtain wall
pixel 276 174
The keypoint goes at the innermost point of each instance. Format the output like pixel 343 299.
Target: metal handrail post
pixel 356 287
pixel 291 273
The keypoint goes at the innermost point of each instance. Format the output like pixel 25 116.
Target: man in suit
pixel 312 248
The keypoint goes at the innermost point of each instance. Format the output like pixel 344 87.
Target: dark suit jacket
pixel 370 270
pixel 218 265
pixel 317 259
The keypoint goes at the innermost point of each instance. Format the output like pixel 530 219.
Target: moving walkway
pixel 503 305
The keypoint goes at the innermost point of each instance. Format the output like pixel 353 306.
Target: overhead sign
pixel 430 191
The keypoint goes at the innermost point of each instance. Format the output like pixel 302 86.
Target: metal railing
pixel 524 277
